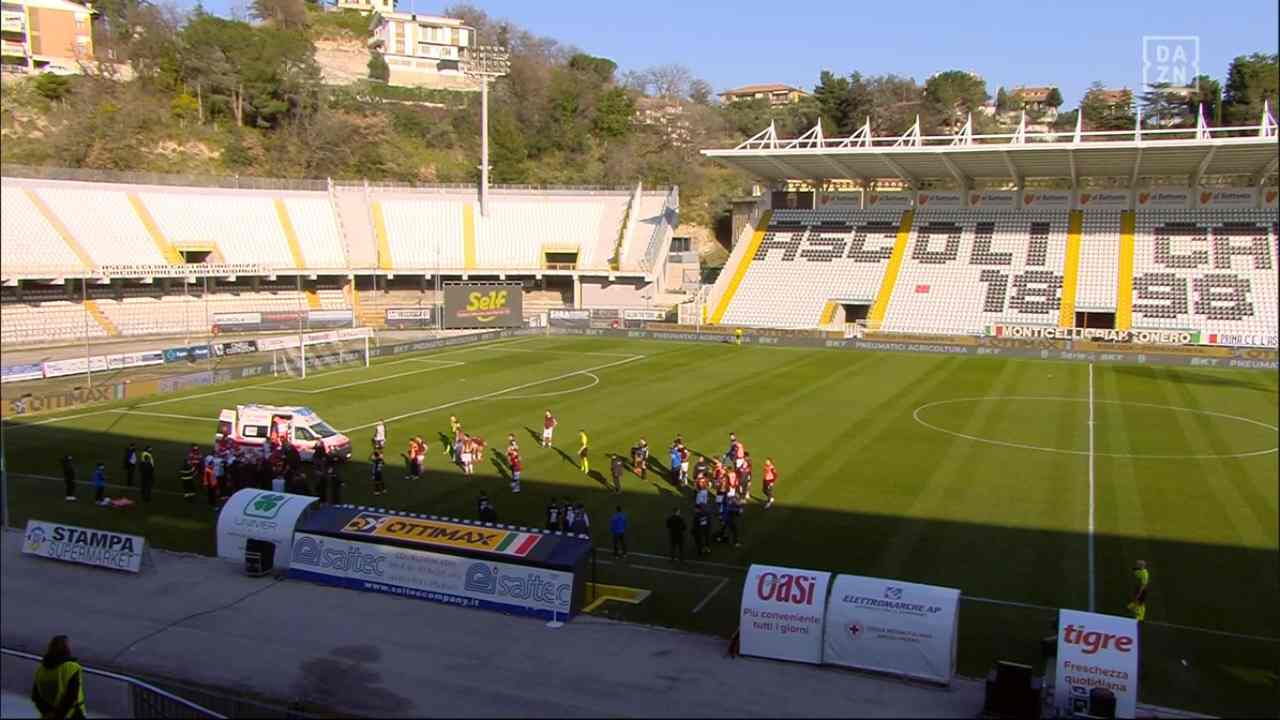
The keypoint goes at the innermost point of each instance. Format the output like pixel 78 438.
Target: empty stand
pixel 49 322
pixel 27 239
pixel 808 257
pixel 1208 270
pixel 965 269
pixel 243 225
pixel 316 226
pixel 1099 253
pixel 515 232
pixel 424 232
pixel 104 222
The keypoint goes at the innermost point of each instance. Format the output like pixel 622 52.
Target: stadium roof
pixel 1012 157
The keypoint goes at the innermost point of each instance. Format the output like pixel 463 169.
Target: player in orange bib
pixel 770 477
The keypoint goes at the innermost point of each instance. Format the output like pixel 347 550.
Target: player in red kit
pixel 548 428
pixel 770 477
pixel 513 459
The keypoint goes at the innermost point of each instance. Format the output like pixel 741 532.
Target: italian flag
pixel 517 543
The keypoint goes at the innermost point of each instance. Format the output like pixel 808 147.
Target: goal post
pixel 297 357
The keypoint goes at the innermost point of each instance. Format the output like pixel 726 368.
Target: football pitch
pixel 1029 485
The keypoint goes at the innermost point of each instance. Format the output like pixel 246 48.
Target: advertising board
pixel 941 200
pixel 1241 198
pixel 1164 198
pixel 69 543
pixel 16 373
pixel 569 318
pixel 437 577
pixel 410 317
pixel 892 626
pixel 1096 651
pixel 783 612
pixel 483 305
pixel 1103 200
pixel 260 515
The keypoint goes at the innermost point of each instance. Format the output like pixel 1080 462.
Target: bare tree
pixel 670 80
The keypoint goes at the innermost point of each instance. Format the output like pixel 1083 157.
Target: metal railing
pixel 122 695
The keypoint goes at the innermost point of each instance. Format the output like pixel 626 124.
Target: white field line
pixel 707 599
pixel 476 346
pixel 595 380
pixel 1092 580
pixel 326 373
pixel 495 393
pixel 442 365
pixel 89 483
pixel 125 411
pixel 651 568
pixel 560 352
pixel 727 566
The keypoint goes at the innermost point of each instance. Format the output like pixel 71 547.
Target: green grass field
pixel 972 473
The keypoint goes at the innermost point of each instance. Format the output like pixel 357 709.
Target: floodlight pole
pixel 486 63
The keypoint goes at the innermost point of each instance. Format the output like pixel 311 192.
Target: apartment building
pixel 422 50
pixel 44 36
pixel 368 6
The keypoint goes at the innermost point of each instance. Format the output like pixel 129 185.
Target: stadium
pixel 993 370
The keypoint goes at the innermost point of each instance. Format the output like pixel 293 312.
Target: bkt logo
pixel 787 588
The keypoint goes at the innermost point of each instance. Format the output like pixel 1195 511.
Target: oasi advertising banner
pixel 483 305
pixel 892 626
pixel 102 548
pixel 1096 652
pixel 437 577
pixel 782 613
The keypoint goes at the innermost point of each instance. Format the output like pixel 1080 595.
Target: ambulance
pixel 252 426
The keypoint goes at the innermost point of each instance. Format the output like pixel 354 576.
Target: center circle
pixel 917 416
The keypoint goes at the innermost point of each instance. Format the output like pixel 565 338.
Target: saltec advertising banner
pixel 892 626
pixel 1096 651
pixel 783 610
pixel 424 575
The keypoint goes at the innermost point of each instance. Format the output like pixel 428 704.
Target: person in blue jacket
pixel 100 484
pixel 675 460
pixel 618 527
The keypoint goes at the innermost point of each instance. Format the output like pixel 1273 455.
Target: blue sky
pixel 733 43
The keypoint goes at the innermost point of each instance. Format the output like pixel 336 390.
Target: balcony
pixel 13 21
pixel 13 48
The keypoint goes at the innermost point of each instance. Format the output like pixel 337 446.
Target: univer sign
pixel 69 543
pixel 469 305
pixel 444 534
pixel 1096 651
pixel 783 610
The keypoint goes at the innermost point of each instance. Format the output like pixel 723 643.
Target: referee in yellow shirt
pixel 582 452
pixel 1141 580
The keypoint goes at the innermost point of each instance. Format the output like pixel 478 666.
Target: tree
pixel 832 96
pixel 283 14
pixel 1054 100
pixel 700 92
pixel 1161 106
pixel 600 68
pixel 1252 80
pixel 614 113
pixel 1002 100
pixel 951 96
pixel 378 68
pixel 1207 95
pixel 1104 109
pixel 670 81
pixel 52 87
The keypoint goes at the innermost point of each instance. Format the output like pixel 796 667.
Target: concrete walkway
pixel 203 620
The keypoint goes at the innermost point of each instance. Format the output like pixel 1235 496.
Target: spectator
pixel 69 478
pixel 615 469
pixel 486 510
pixel 100 485
pixel 675 464
pixel 130 463
pixel 147 463
pixel 376 469
pixel 675 531
pixel 581 522
pixel 733 517
pixel 187 476
pixel 58 689
pixel 618 527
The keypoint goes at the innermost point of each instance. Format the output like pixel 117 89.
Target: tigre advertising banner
pixel 437 577
pixel 783 611
pixel 1096 651
pixel 483 305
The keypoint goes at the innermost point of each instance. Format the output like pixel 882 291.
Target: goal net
pixel 319 351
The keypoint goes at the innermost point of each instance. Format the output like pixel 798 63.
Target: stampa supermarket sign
pixel 68 543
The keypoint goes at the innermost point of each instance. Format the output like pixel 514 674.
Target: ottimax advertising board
pixel 486 565
pixel 483 305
